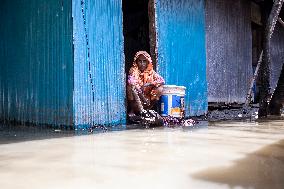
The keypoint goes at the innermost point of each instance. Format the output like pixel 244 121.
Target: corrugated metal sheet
pixel 36 61
pixel 181 49
pixel 229 44
pixel 277 70
pixel 99 76
pixel 277 55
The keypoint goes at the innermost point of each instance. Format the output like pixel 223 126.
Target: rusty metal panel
pixel 229 46
pixel 36 74
pixel 99 76
pixel 181 49
pixel 277 55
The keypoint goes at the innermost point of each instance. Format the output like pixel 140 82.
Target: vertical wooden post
pixel 153 31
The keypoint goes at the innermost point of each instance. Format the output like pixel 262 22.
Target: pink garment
pixel 139 79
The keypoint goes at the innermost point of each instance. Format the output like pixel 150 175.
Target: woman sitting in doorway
pixel 144 86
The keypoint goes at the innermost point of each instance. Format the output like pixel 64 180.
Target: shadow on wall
pixel 260 170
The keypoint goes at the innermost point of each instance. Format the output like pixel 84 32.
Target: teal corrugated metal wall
pixel 181 49
pixel 99 76
pixel 36 74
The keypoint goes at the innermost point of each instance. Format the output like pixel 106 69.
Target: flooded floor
pixel 222 155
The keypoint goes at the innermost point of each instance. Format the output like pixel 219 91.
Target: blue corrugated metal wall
pixel 36 75
pixel 99 76
pixel 181 49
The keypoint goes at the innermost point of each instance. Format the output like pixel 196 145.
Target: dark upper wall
pixel 135 29
pixel 229 59
pixel 36 67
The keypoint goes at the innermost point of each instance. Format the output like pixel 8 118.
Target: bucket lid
pixel 174 86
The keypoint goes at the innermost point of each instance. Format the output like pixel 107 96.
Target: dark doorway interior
pixel 135 29
pixel 256 51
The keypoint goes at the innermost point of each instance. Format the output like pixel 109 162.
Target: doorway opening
pixel 257 29
pixel 135 30
pixel 257 37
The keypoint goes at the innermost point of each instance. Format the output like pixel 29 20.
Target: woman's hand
pixel 148 85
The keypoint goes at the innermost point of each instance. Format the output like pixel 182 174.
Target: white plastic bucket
pixel 172 101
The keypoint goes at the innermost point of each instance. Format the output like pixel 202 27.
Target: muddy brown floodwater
pixel 247 155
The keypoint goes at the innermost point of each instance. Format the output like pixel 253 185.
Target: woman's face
pixel 142 63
